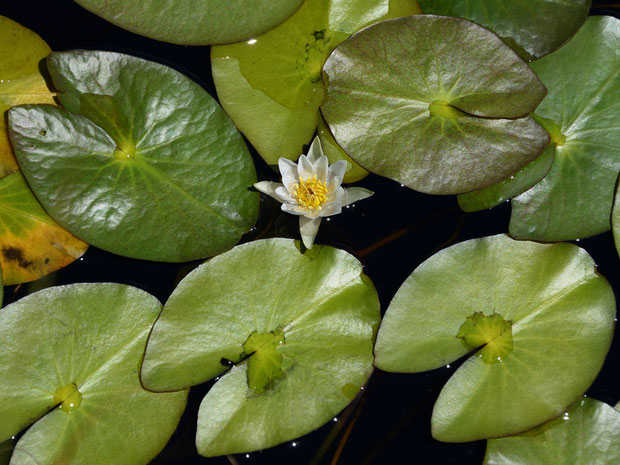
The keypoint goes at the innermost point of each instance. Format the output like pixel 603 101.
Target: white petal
pixel 288 170
pixel 331 209
pixel 283 195
pixel 293 209
pixel 321 169
pixel 338 196
pixel 315 151
pixel 269 188
pixel 353 194
pixel 335 175
pixel 308 229
pixel 305 168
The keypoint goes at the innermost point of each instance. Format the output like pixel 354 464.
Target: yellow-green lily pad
pixel 299 329
pixel 271 85
pixel 69 372
pixel 586 434
pixel 536 320
pixel 31 243
pixel 20 79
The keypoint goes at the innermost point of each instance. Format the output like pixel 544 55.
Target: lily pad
pixel 6 449
pixel 298 327
pixel 334 152
pixel 433 102
pixel 587 434
pixel 575 199
pixel 188 22
pixel 271 85
pixel 142 162
pixel 532 28
pixel 69 364
pixel 516 184
pixel 20 79
pixel 538 318
pixel 31 243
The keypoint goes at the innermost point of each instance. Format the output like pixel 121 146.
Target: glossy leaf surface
pixel 587 434
pixel 31 243
pixel 69 364
pixel 188 22
pixel 315 315
pixel 334 153
pixel 575 199
pixel 516 184
pixel 271 85
pixel 425 100
pixel 554 313
pixel 152 168
pixel 20 79
pixel 532 28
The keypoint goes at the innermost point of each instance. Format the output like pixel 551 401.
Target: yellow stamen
pixel 310 193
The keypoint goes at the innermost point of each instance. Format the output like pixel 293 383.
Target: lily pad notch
pixel 536 319
pixel 141 161
pixel 297 328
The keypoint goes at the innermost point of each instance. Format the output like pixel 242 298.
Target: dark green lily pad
pixel 69 363
pixel 298 327
pixel 532 28
pixel 433 102
pixel 188 22
pixel 271 85
pixel 144 163
pixel 516 184
pixel 538 317
pixel 587 434
pixel 575 199
pixel 6 450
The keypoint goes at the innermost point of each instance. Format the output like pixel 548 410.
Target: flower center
pixel 310 193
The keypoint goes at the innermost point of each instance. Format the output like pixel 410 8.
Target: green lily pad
pixel 575 199
pixel 69 364
pixel 433 102
pixel 587 434
pixel 31 243
pixel 188 22
pixel 271 85
pixel 532 28
pixel 516 184
pixel 539 319
pixel 298 327
pixel 20 79
pixel 144 163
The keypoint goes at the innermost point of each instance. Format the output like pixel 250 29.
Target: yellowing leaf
pixel 31 243
pixel 20 79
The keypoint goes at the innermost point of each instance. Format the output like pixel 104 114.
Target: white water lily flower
pixel 312 190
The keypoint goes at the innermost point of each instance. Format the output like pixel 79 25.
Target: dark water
pixel 391 233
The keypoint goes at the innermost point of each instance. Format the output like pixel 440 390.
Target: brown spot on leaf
pixel 12 253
